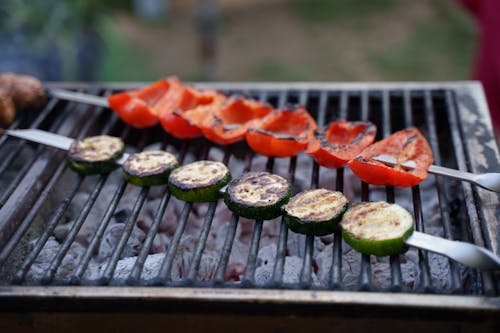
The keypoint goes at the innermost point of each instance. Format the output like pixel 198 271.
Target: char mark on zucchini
pixel 315 212
pixel 199 181
pixel 377 228
pixel 258 195
pixel 96 154
pixel 149 168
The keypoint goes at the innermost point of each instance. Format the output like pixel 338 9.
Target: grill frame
pixel 473 117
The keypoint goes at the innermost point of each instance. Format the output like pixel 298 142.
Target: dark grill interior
pixel 38 193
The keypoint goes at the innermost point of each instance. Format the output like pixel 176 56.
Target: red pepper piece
pixel 405 145
pixel 230 122
pixel 283 133
pixel 341 142
pixel 176 121
pixel 137 108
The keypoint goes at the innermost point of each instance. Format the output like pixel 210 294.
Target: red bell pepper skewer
pixel 229 123
pixel 180 121
pixel 139 108
pixel 341 142
pixel 405 145
pixel 283 133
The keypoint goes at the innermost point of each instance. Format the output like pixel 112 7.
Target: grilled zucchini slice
pixel 149 168
pixel 258 195
pixel 95 154
pixel 199 181
pixel 315 212
pixel 377 228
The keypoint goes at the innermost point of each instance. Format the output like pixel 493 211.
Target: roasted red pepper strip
pixel 283 133
pixel 342 141
pixel 230 122
pixel 137 108
pixel 177 122
pixel 405 145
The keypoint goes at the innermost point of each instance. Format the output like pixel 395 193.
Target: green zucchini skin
pixel 149 168
pixel 199 181
pixel 364 218
pixel 258 195
pixel 95 155
pixel 315 212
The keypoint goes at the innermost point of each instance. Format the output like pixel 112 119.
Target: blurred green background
pixel 237 40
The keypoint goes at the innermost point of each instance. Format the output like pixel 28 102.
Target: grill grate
pixel 27 198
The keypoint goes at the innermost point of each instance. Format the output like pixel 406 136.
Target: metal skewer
pixel 79 97
pixel 465 253
pixel 462 252
pixel 488 181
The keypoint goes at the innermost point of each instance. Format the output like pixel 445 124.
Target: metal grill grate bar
pixel 423 259
pixel 433 141
pixel 166 266
pixel 49 229
pixel 386 108
pixel 99 233
pixel 56 262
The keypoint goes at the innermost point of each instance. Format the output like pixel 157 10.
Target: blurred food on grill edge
pixel 19 92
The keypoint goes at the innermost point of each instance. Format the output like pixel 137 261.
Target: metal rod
pixel 49 229
pixel 226 249
pixel 200 245
pixel 135 273
pixel 28 220
pixel 65 246
pixel 473 218
pixel 79 97
pixel 166 267
pixel 306 274
pixel 443 200
pixel 129 226
pixel 99 233
pixel 7 160
pixel 249 276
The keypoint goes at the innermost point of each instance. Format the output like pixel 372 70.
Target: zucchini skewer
pixel 315 212
pixel 95 154
pixel 377 228
pixel 199 181
pixel 149 168
pixel 257 195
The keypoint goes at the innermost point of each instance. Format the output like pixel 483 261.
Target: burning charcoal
pixel 150 270
pixel 160 243
pixel 439 267
pixel 183 259
pixel 121 216
pixel 237 261
pixel 111 238
pixel 265 267
pixel 47 254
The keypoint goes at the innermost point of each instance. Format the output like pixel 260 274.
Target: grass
pixel 318 11
pixel 437 49
pixel 271 70
pixel 121 62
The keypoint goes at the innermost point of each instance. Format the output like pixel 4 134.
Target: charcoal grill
pixel 36 195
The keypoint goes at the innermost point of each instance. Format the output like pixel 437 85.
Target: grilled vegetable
pixel 149 168
pixel 230 122
pixel 377 228
pixel 315 212
pixel 96 154
pixel 283 133
pixel 140 108
pixel 341 142
pixel 177 122
pixel 405 145
pixel 199 181
pixel 258 195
